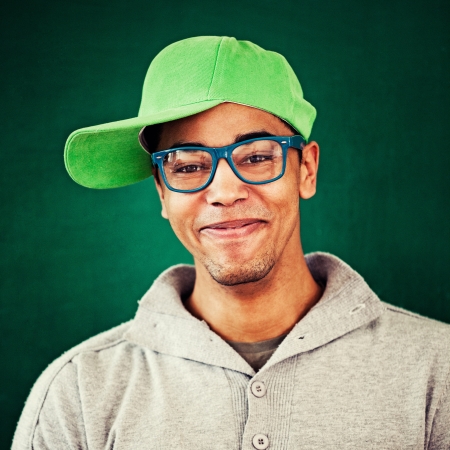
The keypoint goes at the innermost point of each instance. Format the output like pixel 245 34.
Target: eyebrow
pixel 238 138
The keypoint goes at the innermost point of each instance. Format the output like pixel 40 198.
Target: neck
pixel 256 311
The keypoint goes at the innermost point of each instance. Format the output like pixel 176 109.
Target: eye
pixel 186 162
pixel 188 168
pixel 256 158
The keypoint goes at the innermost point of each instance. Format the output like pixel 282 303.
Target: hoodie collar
pixel 164 325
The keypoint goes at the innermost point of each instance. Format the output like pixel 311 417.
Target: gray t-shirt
pixel 257 353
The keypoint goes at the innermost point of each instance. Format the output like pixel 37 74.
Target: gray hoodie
pixel 354 373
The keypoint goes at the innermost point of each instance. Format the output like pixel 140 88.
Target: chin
pixel 236 273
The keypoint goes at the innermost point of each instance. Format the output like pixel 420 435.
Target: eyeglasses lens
pixel 258 160
pixel 255 161
pixel 187 169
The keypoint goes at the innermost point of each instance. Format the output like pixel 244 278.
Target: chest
pixel 307 402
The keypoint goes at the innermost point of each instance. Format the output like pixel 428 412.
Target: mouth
pixel 233 228
pixel 231 224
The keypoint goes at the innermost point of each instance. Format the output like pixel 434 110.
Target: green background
pixel 75 261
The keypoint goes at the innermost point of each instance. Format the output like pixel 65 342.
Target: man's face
pixel 237 231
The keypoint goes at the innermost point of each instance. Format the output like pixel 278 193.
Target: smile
pixel 233 229
pixel 233 224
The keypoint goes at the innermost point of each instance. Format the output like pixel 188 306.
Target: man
pixel 257 346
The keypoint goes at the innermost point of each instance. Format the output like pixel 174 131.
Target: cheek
pixel 284 193
pixel 284 201
pixel 181 213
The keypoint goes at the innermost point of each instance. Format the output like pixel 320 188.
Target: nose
pixel 225 188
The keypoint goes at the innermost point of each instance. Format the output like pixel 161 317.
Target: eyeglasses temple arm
pixel 297 142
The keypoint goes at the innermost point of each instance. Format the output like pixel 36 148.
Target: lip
pixel 232 228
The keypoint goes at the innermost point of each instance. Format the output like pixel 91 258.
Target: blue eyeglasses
pixel 255 161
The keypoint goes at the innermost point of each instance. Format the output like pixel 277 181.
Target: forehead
pixel 219 126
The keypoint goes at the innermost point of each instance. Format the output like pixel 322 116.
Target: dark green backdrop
pixel 75 261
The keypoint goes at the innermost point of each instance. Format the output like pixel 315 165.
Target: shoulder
pixel 415 326
pixel 110 339
pixel 61 377
pixel 415 342
pixel 421 346
pixel 395 325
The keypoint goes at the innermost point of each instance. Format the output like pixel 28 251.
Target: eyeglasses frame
pixel 217 153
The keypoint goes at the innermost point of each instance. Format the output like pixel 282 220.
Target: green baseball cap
pixel 186 78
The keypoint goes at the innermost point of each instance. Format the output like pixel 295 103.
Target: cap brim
pixel 109 155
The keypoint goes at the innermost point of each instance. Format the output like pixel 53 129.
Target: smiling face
pixel 238 232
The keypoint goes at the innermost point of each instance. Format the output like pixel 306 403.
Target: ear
pixel 308 170
pixel 161 192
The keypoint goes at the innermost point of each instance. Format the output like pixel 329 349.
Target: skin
pixel 252 280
